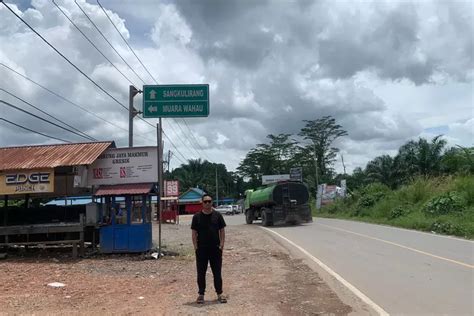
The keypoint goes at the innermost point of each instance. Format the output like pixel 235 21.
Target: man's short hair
pixel 202 198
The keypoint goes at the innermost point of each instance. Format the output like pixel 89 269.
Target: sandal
pixel 222 298
pixel 200 299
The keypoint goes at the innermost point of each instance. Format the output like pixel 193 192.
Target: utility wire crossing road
pixel 396 271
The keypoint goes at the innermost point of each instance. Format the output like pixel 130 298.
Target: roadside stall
pixel 30 175
pixel 126 225
pixel 125 181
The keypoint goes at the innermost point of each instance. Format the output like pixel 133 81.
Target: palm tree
pixel 382 169
pixel 421 157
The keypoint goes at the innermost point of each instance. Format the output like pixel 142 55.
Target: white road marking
pixel 351 287
pixel 397 228
pixel 401 246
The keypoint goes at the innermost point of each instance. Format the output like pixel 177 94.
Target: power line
pixel 60 54
pixel 171 142
pixel 192 135
pixel 33 131
pixel 105 38
pixel 71 102
pixel 43 119
pixel 89 40
pixel 189 140
pixel 126 42
pixel 143 65
pixel 49 115
pixel 184 162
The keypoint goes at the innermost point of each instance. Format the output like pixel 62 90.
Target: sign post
pixel 267 179
pixel 160 181
pixel 180 100
pixel 296 174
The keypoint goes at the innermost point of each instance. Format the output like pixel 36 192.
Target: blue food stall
pixel 126 224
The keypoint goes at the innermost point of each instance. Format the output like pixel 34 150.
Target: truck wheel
pixel 264 219
pixel 249 217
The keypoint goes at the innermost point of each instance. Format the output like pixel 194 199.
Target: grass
pixel 423 205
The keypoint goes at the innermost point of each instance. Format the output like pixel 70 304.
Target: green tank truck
pixel 279 203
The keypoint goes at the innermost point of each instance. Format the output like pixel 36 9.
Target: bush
pixel 446 203
pixel 465 185
pixel 447 228
pixel 420 190
pixel 331 208
pixel 367 201
pixel 371 194
pixel 398 211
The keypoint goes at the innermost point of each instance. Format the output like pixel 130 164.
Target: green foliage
pixel 371 194
pixel 449 202
pixel 322 133
pixel 270 158
pixel 440 204
pixel 382 169
pixel 398 211
pixel 202 174
pixel 458 160
pixel 445 227
pixel 421 157
pixel 420 190
pixel 282 152
pixel 465 185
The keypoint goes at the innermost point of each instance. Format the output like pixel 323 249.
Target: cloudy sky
pixel 388 71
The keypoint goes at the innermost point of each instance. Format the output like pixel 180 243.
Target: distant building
pixel 190 201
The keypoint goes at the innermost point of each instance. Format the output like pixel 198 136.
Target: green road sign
pixel 182 100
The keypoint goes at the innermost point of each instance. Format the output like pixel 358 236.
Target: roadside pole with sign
pixel 180 100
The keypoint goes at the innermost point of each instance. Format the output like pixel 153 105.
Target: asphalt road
pixel 402 271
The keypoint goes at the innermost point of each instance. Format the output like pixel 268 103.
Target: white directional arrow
pixel 152 109
pixel 152 94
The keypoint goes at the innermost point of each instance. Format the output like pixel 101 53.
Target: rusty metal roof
pixel 124 189
pixel 51 156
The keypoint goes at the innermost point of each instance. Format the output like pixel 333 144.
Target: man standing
pixel 208 239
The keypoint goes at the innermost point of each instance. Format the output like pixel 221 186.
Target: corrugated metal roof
pixel 124 189
pixel 50 156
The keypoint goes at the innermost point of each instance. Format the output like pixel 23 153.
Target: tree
pixel 382 169
pixel 458 160
pixel 202 174
pixel 282 148
pixel 265 159
pixel 421 157
pixel 322 133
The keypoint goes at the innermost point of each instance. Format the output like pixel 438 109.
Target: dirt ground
pixel 259 276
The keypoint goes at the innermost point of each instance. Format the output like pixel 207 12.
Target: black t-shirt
pixel 207 227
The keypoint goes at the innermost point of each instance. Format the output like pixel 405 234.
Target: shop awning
pixel 125 189
pixel 51 156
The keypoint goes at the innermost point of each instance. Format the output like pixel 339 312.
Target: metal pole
pixel 316 174
pixel 316 166
pixel 160 179
pixel 131 113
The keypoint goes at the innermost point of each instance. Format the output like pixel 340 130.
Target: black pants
pixel 212 255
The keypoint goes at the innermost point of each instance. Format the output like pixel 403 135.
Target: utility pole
pixel 160 180
pixel 316 167
pixel 169 159
pixel 343 165
pixel 318 201
pixel 131 113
